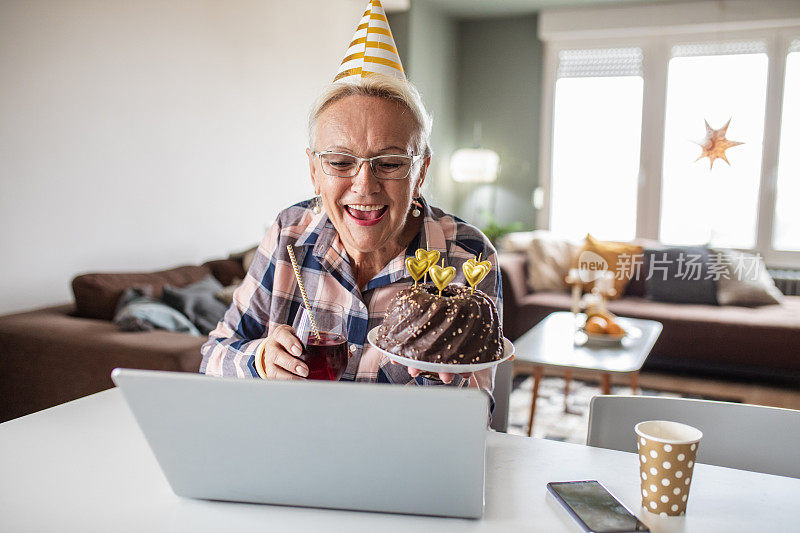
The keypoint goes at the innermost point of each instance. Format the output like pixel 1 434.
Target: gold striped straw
pixel 314 327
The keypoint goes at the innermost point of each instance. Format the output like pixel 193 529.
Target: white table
pixel 557 342
pixel 84 466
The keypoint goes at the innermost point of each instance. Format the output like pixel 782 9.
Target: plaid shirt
pixel 269 295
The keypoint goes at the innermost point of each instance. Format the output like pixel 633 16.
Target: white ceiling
pixel 488 8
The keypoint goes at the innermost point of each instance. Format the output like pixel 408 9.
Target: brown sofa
pixel 57 354
pixel 731 341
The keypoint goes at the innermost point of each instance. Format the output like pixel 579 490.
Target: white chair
pixel 747 437
pixel 502 393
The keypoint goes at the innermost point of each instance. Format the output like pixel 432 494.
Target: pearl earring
pixel 416 212
pixel 317 207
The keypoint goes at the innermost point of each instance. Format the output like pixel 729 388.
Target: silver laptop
pixel 371 447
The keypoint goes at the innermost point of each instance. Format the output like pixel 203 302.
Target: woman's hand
pixel 281 350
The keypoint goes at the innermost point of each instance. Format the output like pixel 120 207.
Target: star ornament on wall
pixel 715 144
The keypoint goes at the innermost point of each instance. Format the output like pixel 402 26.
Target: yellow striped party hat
pixel 372 50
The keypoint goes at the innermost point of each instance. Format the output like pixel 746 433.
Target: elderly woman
pixel 368 158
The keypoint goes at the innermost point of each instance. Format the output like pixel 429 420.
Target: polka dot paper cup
pixel 667 451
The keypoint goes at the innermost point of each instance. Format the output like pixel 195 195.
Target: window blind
pixel 600 62
pixel 719 48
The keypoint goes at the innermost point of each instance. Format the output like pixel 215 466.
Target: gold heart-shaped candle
pixel 487 264
pixel 416 268
pixel 442 276
pixel 431 256
pixel 475 272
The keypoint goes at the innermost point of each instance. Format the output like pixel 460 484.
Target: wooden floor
pixel 742 391
pixel 752 392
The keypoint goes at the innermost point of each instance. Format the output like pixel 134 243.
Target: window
pixel 625 95
pixel 786 232
pixel 596 138
pixel 716 82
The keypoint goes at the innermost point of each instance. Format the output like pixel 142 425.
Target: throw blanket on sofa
pixel 193 309
pixel 198 302
pixel 137 311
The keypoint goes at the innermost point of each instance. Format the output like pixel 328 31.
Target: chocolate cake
pixel 457 327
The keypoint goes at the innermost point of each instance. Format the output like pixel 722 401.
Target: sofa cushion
pixel 746 282
pixel 225 294
pixel 97 294
pixel 637 286
pixel 682 275
pixel 616 257
pixel 549 258
pixel 138 312
pixel 226 270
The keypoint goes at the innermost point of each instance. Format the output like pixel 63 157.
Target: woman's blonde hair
pixel 380 86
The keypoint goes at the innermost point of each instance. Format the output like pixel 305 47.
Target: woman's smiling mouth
pixel 366 214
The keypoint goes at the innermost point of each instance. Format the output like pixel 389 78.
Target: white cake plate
pixel 452 368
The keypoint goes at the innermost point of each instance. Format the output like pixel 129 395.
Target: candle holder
pixel 604 287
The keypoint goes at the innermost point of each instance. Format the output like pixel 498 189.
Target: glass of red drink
pixel 326 356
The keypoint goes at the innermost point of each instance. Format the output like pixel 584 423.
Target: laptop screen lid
pixel 417 450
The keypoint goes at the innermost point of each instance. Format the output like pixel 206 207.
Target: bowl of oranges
pixel 602 327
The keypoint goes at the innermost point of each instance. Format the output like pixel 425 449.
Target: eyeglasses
pixel 384 167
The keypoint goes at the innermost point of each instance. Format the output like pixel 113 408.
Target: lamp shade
pixel 474 165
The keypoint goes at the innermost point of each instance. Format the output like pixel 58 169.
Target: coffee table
pixel 557 342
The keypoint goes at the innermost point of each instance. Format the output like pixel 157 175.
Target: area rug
pixel 551 421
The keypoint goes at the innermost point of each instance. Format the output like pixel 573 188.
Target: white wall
pixel 684 16
pixel 433 64
pixel 143 135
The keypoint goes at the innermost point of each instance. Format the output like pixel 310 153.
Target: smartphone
pixel 594 508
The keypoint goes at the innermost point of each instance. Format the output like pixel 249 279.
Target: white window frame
pixel 777 25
